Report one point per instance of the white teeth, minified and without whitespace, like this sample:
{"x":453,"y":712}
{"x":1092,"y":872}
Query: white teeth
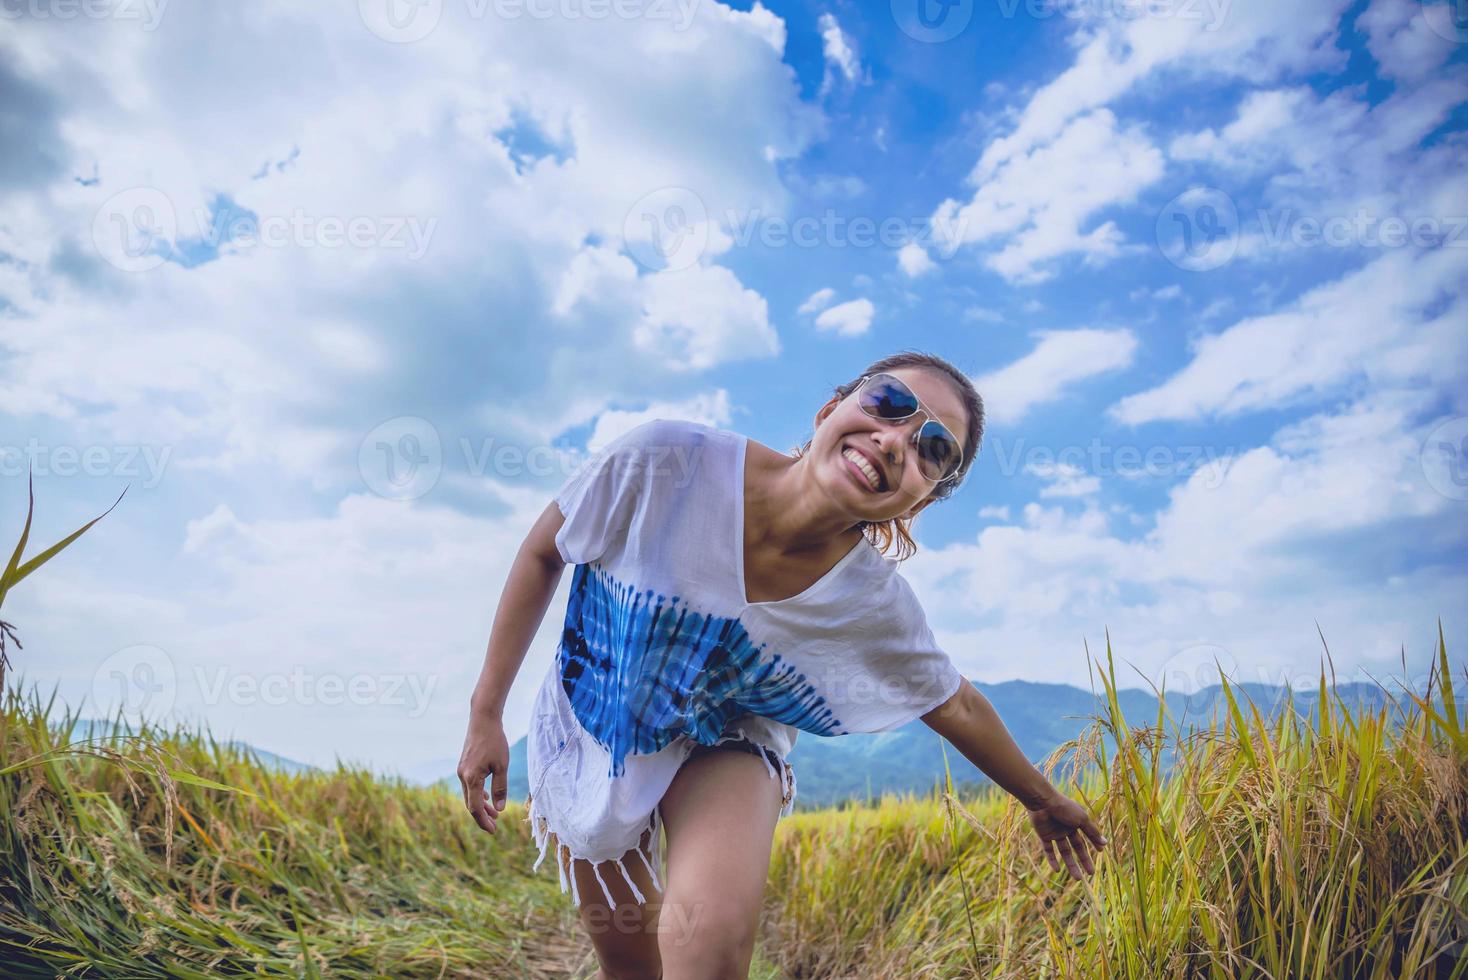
{"x":873,"y":478}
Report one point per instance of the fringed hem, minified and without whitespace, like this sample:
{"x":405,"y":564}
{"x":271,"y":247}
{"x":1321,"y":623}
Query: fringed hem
{"x":652,"y":859}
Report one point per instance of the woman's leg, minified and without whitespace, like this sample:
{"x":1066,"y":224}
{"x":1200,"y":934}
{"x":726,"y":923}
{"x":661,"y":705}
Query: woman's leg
{"x":624,"y":935}
{"x":719,"y":814}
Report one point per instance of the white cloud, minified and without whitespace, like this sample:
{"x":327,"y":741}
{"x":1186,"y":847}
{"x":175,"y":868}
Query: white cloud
{"x":1040,"y":185}
{"x":1061,"y":358}
{"x":839,"y":51}
{"x":264,"y":369}
{"x":1397,"y":320}
{"x":913,"y":259}
{"x":710,"y":408}
{"x":1046,"y":202}
{"x":1254,"y":40}
{"x":847,"y":319}
{"x":1244,"y":566}
{"x":1064,"y":479}
{"x":1400,"y":39}
{"x":983,"y":314}
{"x":697,"y":317}
{"x":817,"y":300}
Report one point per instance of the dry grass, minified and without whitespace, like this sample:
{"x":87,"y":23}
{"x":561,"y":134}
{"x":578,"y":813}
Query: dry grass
{"x":1331,"y":845}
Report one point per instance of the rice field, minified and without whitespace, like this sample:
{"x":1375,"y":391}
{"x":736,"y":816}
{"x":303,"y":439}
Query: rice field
{"x":1328,"y":844}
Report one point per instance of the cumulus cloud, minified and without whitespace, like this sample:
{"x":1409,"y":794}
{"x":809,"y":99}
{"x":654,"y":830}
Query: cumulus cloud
{"x":839,"y":51}
{"x":847,"y":319}
{"x":1059,"y":360}
{"x":817,"y":300}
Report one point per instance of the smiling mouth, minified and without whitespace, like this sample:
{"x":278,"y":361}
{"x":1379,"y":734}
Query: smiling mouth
{"x":871,"y":477}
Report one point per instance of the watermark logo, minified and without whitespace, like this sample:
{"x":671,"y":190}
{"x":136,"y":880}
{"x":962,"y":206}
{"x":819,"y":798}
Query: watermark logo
{"x":328,"y":689}
{"x":671,"y":229}
{"x":138,"y":229}
{"x":1199,"y":229}
{"x":407,"y":21}
{"x":932,"y":21}
{"x":1362,"y":229}
{"x":666,"y":230}
{"x":1444,"y":458}
{"x":400,"y":21}
{"x":401,"y":458}
{"x":136,"y":682}
{"x":1126,"y":460}
{"x":135,"y":229}
{"x":148,"y":12}
{"x":96,"y":461}
{"x":1448,"y":19}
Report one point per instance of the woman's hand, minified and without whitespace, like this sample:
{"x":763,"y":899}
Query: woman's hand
{"x":486,"y":752}
{"x":1063,"y":825}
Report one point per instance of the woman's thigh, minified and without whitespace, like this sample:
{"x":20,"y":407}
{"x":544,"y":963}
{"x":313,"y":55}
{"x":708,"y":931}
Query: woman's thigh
{"x":719,"y":814}
{"x":625,"y":934}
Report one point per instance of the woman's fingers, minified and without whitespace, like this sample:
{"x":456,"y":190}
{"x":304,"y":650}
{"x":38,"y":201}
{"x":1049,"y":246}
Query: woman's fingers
{"x":477,"y":800}
{"x":1079,"y":842}
{"x":1047,"y":848}
{"x":1064,"y":846}
{"x":1093,"y":830}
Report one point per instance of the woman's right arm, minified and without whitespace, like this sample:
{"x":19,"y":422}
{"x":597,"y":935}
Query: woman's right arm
{"x":532,"y":581}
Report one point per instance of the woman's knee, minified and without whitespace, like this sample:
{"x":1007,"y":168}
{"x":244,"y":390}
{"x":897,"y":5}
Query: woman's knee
{"x":713,"y":941}
{"x":624,"y":932}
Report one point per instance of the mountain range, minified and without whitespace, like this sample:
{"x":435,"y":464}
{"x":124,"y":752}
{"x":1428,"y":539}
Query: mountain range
{"x":1040,"y":717}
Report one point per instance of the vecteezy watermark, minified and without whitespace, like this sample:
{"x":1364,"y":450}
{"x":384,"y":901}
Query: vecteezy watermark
{"x":406,"y":21}
{"x":667,"y":229}
{"x":675,"y":919}
{"x":96,"y":460}
{"x":1192,"y":679}
{"x":403,"y":458}
{"x":149,"y":13}
{"x":932,"y":21}
{"x":1447,"y":18}
{"x":1444,"y":458}
{"x":142,"y":681}
{"x":138,"y":229}
{"x":330,"y":689}
{"x":137,"y":683}
{"x":670,"y":229}
{"x":1126,"y":460}
{"x":1210,"y":14}
{"x":1199,"y":229}
{"x":1362,"y":229}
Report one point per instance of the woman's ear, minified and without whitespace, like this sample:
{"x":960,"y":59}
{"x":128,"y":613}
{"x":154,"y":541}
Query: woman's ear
{"x":825,"y":410}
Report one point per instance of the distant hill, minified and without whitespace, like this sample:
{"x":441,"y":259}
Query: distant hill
{"x":828,"y":771}
{"x":1040,"y":717}
{"x":94,"y":727}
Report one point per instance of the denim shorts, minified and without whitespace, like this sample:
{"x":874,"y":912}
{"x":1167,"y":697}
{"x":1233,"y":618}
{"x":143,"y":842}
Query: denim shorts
{"x":777,"y":766}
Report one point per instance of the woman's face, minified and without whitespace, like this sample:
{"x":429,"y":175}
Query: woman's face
{"x":842,"y":425}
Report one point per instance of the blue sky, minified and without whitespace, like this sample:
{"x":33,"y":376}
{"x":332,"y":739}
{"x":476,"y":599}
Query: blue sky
{"x":1205,"y":263}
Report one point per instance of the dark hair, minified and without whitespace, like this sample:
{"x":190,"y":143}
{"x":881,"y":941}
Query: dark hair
{"x":884,"y":534}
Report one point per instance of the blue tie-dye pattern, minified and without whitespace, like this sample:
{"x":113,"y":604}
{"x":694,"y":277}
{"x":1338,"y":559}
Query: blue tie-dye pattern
{"x":640,"y":668}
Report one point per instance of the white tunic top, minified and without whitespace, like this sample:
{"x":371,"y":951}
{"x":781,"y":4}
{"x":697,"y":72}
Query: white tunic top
{"x":660,"y":650}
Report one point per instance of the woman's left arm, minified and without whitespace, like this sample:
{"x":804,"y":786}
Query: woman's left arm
{"x":970,"y":722}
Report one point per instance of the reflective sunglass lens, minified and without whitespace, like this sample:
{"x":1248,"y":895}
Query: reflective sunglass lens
{"x":937,"y":451}
{"x":885,"y":397}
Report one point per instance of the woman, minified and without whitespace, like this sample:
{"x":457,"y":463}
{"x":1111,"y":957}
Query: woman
{"x":724,"y":597}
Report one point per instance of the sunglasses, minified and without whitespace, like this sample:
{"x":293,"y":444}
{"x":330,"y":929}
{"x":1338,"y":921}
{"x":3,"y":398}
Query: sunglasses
{"x":887,"y":397}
